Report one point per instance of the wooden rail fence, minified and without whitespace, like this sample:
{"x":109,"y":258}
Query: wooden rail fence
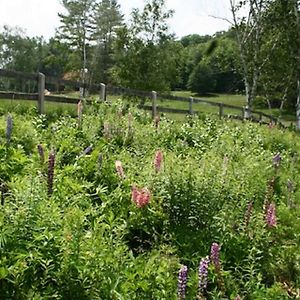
{"x":104,"y":90}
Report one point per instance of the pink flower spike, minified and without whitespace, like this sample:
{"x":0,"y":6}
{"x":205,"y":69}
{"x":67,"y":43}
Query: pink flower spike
{"x":271,"y":215}
{"x":141,"y":197}
{"x":134,"y":193}
{"x":158,"y":160}
{"x":119,"y":169}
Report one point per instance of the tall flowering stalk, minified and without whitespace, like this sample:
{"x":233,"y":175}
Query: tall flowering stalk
{"x":182,"y":280}
{"x":156,"y":122}
{"x":248,"y":214}
{"x":141,"y":197}
{"x":51,"y":164}
{"x":41,"y":153}
{"x":276,"y":161}
{"x":215,"y":256}
{"x":9,"y":127}
{"x":130,"y":128}
{"x":271,"y":215}
{"x":215,"y":259}
{"x":203,"y":274}
{"x":79,"y":112}
{"x":119,"y":169}
{"x":158,"y":159}
{"x":106,"y":130}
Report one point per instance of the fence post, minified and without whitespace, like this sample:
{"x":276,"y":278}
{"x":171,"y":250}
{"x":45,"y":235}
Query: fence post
{"x":191,"y":105}
{"x":221,"y":109}
{"x":246,"y":112}
{"x":154,"y":98}
{"x":103,"y":92}
{"x":41,"y":92}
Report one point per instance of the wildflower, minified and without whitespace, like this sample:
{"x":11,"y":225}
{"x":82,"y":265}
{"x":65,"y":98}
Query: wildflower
{"x":215,"y":256}
{"x":87,"y":150}
{"x":248,"y":214}
{"x":141,"y":197}
{"x":51,"y":163}
{"x":119,"y":169}
{"x":182,"y":280}
{"x":79,"y":112}
{"x":238,"y":297}
{"x":271,"y":215}
{"x":158,"y":160}
{"x":9,"y":127}
{"x":276,"y":160}
{"x":41,"y":153}
{"x":203,"y":273}
{"x":157,"y":121}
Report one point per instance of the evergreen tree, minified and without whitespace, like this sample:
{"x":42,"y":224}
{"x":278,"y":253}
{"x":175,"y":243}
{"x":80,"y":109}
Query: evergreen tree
{"x":107,"y":19}
{"x":77,"y":28}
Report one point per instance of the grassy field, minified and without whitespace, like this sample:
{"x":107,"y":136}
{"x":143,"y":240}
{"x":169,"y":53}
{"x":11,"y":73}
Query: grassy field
{"x":200,"y":108}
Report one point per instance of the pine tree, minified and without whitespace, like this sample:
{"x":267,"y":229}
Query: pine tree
{"x":107,"y":19}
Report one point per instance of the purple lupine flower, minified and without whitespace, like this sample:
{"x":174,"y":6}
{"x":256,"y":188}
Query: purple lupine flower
{"x":182,"y":280}
{"x":87,"y":150}
{"x":203,"y":273}
{"x":276,"y":160}
{"x":248,"y":214}
{"x":215,"y":256}
{"x":9,"y":127}
{"x":51,"y":163}
{"x":41,"y":153}
{"x":158,"y":160}
{"x":271,"y":215}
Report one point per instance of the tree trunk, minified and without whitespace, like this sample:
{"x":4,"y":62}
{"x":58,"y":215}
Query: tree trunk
{"x":298,"y":58}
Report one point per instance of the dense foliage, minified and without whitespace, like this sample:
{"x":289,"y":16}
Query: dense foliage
{"x":259,"y":55}
{"x":124,"y":203}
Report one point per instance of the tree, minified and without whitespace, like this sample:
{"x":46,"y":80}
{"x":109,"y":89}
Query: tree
{"x":202,"y":79}
{"x":107,"y":19}
{"x":76,"y":30}
{"x":147,"y":56}
{"x":57,"y":59}
{"x":21,"y":53}
{"x":249,"y":31}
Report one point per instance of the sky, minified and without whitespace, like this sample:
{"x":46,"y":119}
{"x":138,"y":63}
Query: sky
{"x":39,"y":17}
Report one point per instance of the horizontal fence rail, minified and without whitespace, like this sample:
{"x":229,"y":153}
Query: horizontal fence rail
{"x":105,"y":90}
